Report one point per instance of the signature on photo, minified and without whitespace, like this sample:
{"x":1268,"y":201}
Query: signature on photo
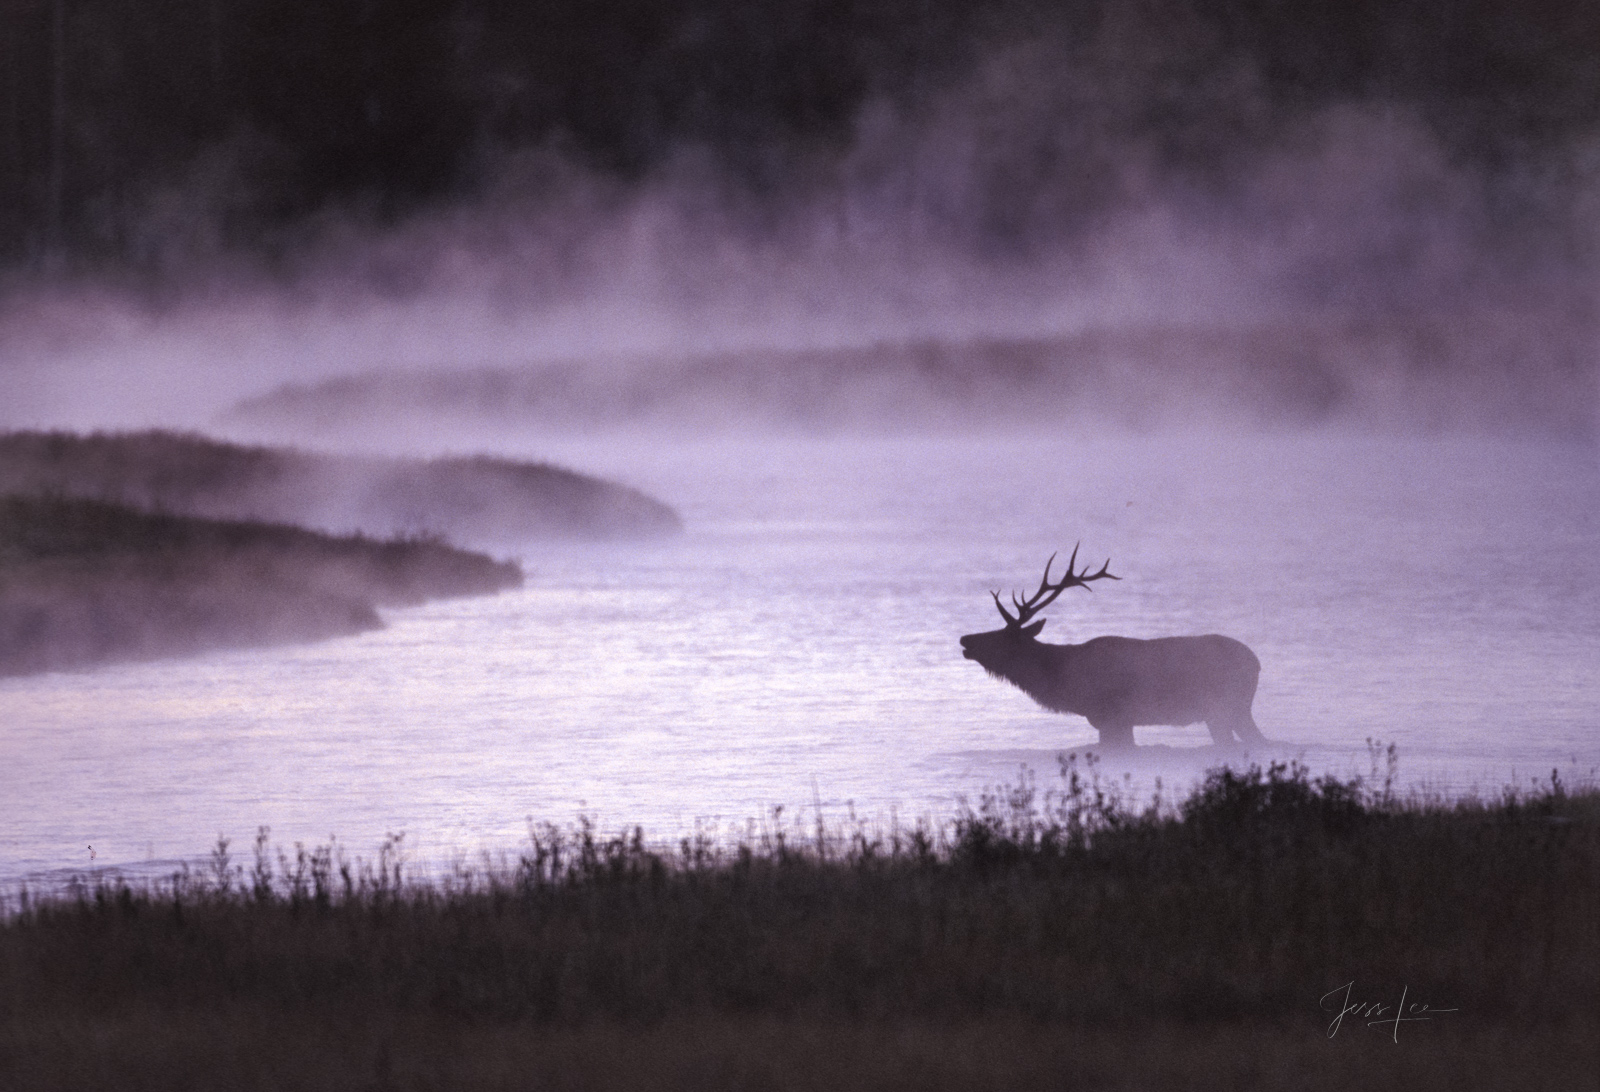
{"x":1377,"y":1014}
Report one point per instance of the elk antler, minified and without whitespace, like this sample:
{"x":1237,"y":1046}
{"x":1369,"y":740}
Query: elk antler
{"x":1039,"y":600}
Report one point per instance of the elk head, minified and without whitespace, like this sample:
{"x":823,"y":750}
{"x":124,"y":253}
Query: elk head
{"x":997,"y":650}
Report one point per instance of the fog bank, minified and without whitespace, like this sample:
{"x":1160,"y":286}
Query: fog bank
{"x":821,"y":180}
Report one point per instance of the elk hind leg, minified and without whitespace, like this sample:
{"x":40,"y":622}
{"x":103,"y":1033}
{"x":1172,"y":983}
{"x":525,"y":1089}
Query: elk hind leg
{"x":1114,"y":736}
{"x":1241,"y":724}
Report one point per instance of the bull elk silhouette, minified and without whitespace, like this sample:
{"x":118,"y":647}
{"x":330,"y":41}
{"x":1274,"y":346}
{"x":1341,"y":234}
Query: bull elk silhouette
{"x":1120,"y":682}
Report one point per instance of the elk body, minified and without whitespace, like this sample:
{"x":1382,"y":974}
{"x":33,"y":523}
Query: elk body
{"x":1119,"y":683}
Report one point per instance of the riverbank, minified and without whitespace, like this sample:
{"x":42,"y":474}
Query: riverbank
{"x":84,"y":582}
{"x":476,"y":500}
{"x":1044,"y":939}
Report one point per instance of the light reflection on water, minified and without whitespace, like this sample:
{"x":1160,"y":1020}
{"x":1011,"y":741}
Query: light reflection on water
{"x":799,"y":642}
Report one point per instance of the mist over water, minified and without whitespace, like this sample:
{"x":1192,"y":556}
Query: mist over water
{"x":1299,"y":324}
{"x":798,"y":643}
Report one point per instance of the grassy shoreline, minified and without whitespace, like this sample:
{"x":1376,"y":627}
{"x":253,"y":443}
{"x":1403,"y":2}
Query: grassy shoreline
{"x":84,"y":582}
{"x":1044,"y":939}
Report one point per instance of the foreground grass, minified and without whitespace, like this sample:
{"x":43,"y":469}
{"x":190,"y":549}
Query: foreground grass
{"x":1044,"y":940}
{"x":85,"y":582}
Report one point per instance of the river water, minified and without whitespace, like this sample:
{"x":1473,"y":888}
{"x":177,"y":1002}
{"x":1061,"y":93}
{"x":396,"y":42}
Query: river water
{"x":796,"y":646}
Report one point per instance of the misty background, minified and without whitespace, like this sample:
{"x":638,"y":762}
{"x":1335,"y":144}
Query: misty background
{"x":364,"y":185}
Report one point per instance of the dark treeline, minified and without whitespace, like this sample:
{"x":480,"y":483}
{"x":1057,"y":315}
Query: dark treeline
{"x":226,"y":123}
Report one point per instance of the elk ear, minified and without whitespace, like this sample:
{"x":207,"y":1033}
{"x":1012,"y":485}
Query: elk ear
{"x":1033,"y":630}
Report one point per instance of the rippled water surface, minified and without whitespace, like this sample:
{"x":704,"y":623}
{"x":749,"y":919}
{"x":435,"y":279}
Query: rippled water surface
{"x":798,"y":645}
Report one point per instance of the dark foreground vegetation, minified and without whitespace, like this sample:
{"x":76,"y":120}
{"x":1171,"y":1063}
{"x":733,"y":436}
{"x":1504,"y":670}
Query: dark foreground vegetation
{"x":85,"y":582}
{"x":1057,"y":940}
{"x":473,"y":500}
